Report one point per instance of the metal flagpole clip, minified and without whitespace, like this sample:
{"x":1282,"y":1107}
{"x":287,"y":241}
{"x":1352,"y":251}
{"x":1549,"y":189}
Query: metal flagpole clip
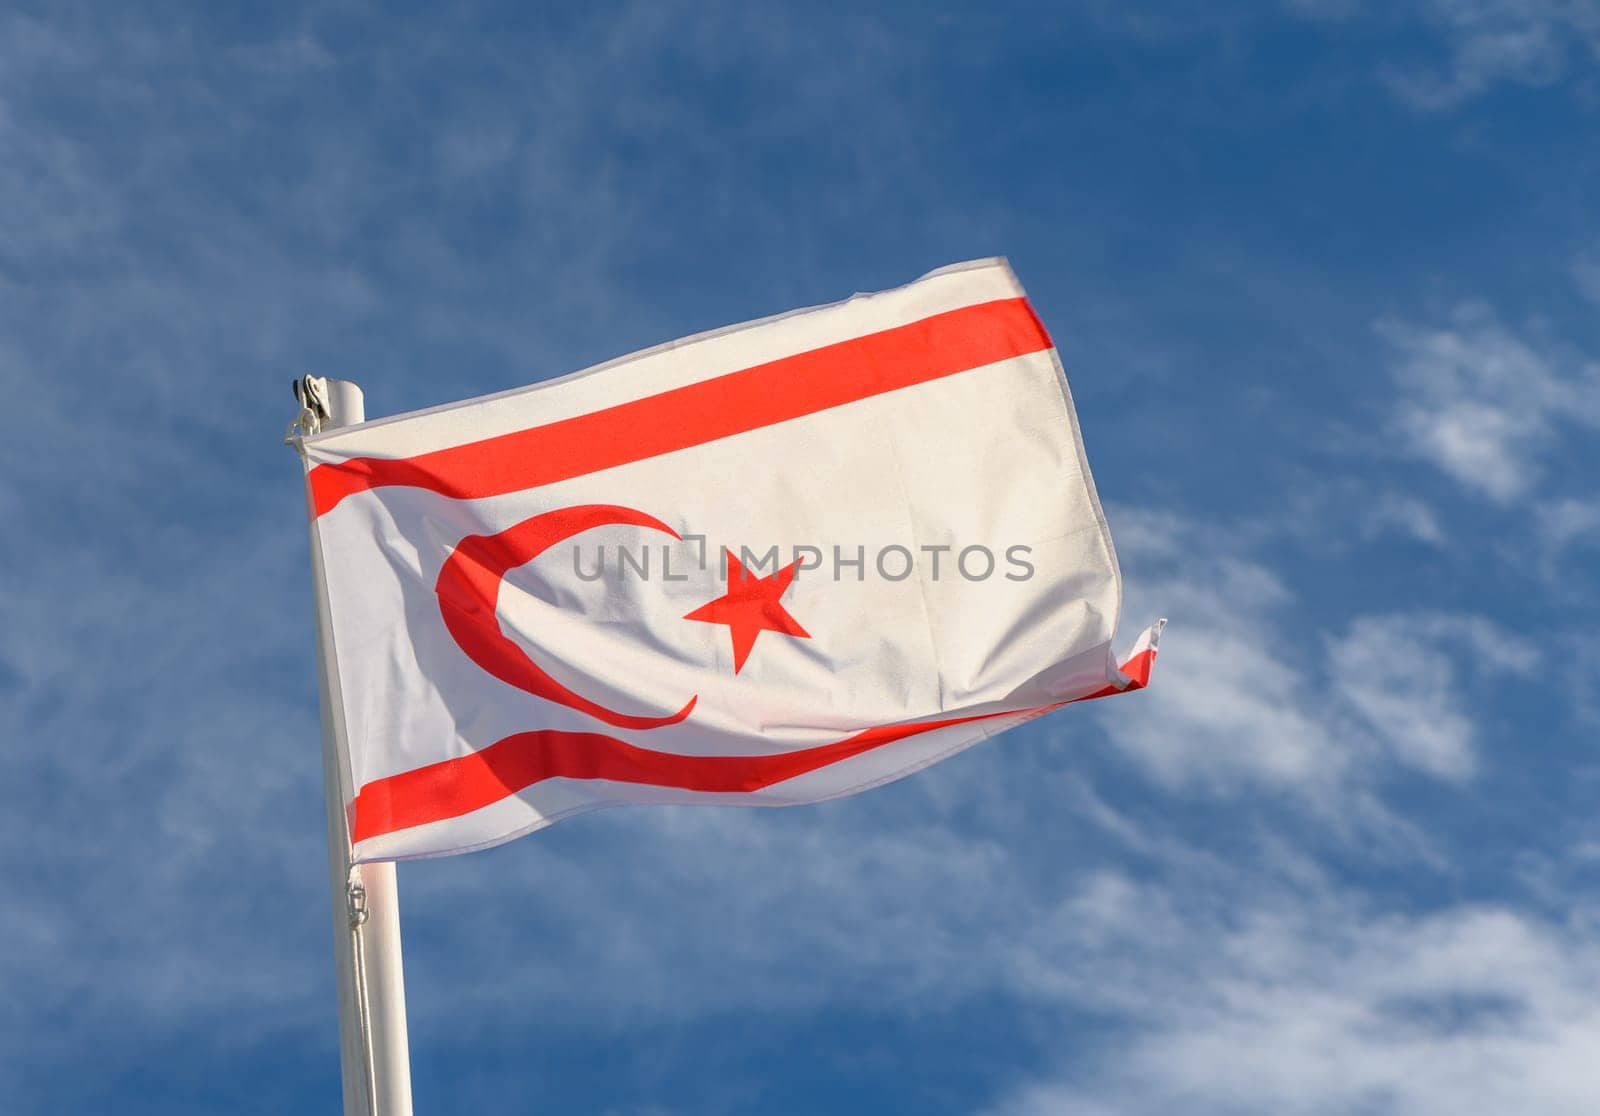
{"x":311,"y":392}
{"x":356,"y":894}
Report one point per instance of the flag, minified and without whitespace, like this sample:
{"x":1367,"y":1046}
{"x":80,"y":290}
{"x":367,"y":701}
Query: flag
{"x":767,"y":565}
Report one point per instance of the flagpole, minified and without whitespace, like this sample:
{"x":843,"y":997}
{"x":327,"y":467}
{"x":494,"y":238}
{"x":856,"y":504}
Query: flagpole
{"x":374,"y":1054}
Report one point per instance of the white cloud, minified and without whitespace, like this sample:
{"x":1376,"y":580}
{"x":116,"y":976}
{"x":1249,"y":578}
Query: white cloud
{"x":1483,"y":404}
{"x":1474,"y":45}
{"x":1231,"y":702}
{"x":1396,"y":673}
{"x":1586,"y":274}
{"x":1487,"y":42}
{"x":1243,"y":698}
{"x":1566,"y":523}
{"x":1324,"y":1007}
{"x":1392,"y":512}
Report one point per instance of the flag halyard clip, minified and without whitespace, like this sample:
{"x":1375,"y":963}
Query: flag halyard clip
{"x":356,"y":893}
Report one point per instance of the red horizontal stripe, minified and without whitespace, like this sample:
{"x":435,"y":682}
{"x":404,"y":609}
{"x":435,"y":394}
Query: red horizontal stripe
{"x":453,"y":787}
{"x":780,"y":390}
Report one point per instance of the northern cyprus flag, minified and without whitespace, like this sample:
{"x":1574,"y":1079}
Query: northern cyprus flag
{"x":768,"y":565}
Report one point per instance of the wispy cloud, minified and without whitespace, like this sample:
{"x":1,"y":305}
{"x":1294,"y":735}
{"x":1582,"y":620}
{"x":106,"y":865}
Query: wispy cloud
{"x":1586,"y":274}
{"x":1473,"y":46}
{"x":1568,"y":523}
{"x":1485,"y":404}
{"x":1401,"y":676}
{"x":1246,"y":697}
{"x":1490,"y":42}
{"x":1330,"y":1008}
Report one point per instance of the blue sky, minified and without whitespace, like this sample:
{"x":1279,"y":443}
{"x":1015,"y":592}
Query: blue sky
{"x":1326,"y":278}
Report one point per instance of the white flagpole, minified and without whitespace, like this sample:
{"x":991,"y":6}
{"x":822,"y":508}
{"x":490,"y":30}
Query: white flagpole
{"x":373,"y":1049}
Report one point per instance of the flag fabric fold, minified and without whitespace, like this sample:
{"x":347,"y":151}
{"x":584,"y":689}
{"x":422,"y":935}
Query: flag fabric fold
{"x":768,"y":565}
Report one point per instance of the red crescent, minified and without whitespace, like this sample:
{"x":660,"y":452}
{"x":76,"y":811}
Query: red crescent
{"x":469,"y":591}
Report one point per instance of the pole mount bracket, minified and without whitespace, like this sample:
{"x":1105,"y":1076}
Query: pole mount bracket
{"x":311,"y":392}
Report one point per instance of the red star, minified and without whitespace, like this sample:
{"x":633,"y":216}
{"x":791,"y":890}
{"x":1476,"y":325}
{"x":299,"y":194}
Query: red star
{"x":750,"y":607}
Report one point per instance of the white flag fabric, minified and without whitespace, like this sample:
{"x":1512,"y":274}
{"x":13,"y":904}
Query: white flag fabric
{"x":768,"y":565}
